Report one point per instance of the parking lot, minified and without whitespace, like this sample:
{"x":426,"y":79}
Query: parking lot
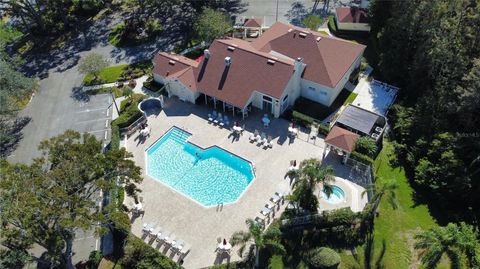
{"x":95,"y":117}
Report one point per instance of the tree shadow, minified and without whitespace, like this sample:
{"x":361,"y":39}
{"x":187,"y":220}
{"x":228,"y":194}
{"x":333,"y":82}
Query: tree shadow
{"x":11,"y":134}
{"x":297,"y":13}
{"x":80,"y":95}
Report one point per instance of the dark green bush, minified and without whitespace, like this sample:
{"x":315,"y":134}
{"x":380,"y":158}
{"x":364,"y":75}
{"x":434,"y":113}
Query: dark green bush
{"x":138,"y":254}
{"x":323,"y":258}
{"x":129,"y":111}
{"x":276,"y":262}
{"x":323,"y":129}
{"x":94,"y":259}
{"x":302,"y":119}
{"x":342,"y":216}
{"x":366,"y":146}
{"x":115,"y":142}
{"x":361,"y":158}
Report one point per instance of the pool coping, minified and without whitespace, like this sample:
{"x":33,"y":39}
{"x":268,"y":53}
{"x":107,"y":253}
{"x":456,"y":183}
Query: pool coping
{"x":252,"y":165}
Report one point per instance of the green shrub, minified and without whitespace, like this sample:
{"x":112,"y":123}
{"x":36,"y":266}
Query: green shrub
{"x":323,"y":258}
{"x":117,"y":92}
{"x":366,"y":146}
{"x":94,"y":259}
{"x":138,"y":254}
{"x":303,"y":119}
{"x":276,"y":262}
{"x":361,"y":158}
{"x":342,"y":216}
{"x":332,"y":25}
{"x":120,"y":196}
{"x":129,"y":111}
{"x":115,"y":142}
{"x":323,"y":129}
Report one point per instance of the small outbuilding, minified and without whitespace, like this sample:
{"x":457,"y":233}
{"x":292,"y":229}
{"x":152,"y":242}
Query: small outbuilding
{"x":352,"y":19}
{"x":342,"y":141}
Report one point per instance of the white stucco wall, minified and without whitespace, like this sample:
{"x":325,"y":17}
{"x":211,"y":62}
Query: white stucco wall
{"x":331,"y":93}
{"x":158,"y":78}
{"x":353,"y":26}
{"x":176,"y":88}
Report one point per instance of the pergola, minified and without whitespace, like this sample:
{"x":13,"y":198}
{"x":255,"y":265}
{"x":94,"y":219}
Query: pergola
{"x":342,"y":141}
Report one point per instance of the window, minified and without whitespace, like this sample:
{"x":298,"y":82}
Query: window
{"x":312,"y":89}
{"x":267,"y":98}
{"x":285,"y":98}
{"x":323,"y":93}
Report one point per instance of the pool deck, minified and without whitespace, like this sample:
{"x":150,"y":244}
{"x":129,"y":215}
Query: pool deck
{"x":198,"y":226}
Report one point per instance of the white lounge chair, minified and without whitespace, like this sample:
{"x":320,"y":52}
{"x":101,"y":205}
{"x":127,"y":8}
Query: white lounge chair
{"x":147,"y":228}
{"x":254,"y":136}
{"x":218,"y":118}
{"x":183,"y":252}
{"x":270,"y":141}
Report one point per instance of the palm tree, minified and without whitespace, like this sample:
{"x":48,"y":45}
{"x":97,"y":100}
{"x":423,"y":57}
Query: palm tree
{"x":310,"y":174}
{"x":387,"y":188}
{"x":368,"y":255}
{"x":452,"y":240}
{"x":268,"y":239}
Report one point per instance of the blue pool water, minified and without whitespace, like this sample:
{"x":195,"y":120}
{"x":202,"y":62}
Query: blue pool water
{"x":336,"y":197}
{"x":210,"y":177}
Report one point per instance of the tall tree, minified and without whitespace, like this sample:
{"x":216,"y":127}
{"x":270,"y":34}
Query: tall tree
{"x":47,"y":202}
{"x":269,"y":239}
{"x":92,"y":64}
{"x":451,"y":240}
{"x":212,"y":24}
{"x":435,"y":60}
{"x":313,"y":22}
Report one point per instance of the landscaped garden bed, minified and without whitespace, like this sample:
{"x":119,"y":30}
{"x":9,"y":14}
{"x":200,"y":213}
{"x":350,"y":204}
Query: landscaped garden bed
{"x":152,"y":85}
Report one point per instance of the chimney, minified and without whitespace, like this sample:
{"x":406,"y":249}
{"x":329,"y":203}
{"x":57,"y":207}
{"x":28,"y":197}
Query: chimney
{"x":228,"y":61}
{"x":206,"y":53}
{"x":299,"y":65}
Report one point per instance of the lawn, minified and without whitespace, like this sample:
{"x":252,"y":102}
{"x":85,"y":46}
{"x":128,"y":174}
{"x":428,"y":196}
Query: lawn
{"x":323,"y":32}
{"x":120,"y":72}
{"x":397,"y":227}
{"x":107,"y":75}
{"x":350,"y":98}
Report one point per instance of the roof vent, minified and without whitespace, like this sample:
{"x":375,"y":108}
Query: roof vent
{"x":319,"y":38}
{"x":302,"y":35}
{"x":235,"y":45}
{"x":289,"y":30}
{"x":171,"y":62}
{"x":206,"y":53}
{"x":270,"y":62}
{"x":228,"y":61}
{"x":230,"y":48}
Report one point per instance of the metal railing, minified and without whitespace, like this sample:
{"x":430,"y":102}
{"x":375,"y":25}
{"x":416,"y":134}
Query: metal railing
{"x":129,"y":130}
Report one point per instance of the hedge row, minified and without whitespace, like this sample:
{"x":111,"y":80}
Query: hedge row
{"x":361,"y":158}
{"x":115,"y":142}
{"x":323,"y":129}
{"x":303,"y":119}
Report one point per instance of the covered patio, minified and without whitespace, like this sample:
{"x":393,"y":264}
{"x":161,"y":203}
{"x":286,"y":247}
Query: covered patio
{"x":340,"y":141}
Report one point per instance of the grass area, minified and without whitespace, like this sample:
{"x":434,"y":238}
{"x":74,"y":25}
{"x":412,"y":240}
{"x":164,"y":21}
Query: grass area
{"x":8,"y":33}
{"x":396,"y":227}
{"x":318,"y":111}
{"x":107,"y":75}
{"x":323,"y":32}
{"x":120,"y":72}
{"x":350,"y":98}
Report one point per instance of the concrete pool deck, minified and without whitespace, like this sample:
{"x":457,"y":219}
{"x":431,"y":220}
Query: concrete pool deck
{"x":198,"y":226}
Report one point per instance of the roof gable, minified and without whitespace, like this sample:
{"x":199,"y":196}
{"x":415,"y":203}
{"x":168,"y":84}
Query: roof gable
{"x":327,"y":58}
{"x":341,"y":138}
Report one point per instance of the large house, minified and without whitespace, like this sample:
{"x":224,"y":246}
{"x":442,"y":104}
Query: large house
{"x":284,"y":63}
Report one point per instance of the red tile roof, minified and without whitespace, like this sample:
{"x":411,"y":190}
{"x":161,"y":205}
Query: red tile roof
{"x":249,"y":71}
{"x":166,"y":64}
{"x":254,"y":22}
{"x":327,"y":58}
{"x":341,"y":138}
{"x":352,"y":15}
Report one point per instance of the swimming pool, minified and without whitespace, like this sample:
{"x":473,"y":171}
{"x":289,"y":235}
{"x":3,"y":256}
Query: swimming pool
{"x":337,"y":196}
{"x":209,"y":176}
